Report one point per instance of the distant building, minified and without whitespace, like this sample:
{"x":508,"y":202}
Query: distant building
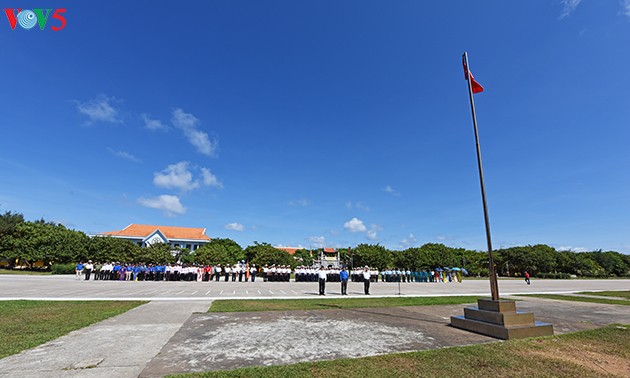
{"x":178,"y":237}
{"x":289,"y":250}
{"x":329,"y":257}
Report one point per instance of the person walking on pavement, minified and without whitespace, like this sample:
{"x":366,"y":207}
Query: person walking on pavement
{"x":343,"y":277}
{"x":322,"y":280}
{"x":366,"y":280}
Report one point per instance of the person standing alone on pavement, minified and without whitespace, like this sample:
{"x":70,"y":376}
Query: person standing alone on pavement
{"x":527,"y":277}
{"x":322,"y":280}
{"x":343,"y":277}
{"x":366,"y":280}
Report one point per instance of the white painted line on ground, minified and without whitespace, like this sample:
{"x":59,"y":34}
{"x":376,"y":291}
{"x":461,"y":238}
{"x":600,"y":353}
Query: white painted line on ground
{"x":221,"y":293}
{"x":294,"y":292}
{"x":193,"y":293}
{"x":208,"y":292}
{"x":270,"y":291}
{"x":259,"y":292}
{"x":234,"y":292}
{"x":282,"y":291}
{"x":246,"y":292}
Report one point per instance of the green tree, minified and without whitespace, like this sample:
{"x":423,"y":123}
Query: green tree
{"x":157,"y":253}
{"x":372,"y":255}
{"x":109,"y":249}
{"x":612,"y":262}
{"x":9,"y":221}
{"x":219,"y":251}
{"x":266,"y":254}
{"x":303,"y":257}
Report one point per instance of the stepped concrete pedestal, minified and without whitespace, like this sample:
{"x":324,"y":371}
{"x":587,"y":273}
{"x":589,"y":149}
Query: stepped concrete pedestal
{"x":501,"y":320}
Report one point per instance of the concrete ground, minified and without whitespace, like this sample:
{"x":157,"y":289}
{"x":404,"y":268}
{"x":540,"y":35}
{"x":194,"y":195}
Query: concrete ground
{"x":174,"y":333}
{"x":63,"y":287}
{"x":220,"y":341}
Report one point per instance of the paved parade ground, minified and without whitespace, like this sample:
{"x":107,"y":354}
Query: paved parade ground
{"x":174,"y":333}
{"x":66,"y":287}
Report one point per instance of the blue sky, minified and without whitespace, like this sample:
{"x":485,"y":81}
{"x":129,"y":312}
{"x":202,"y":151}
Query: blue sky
{"x":323,"y":123}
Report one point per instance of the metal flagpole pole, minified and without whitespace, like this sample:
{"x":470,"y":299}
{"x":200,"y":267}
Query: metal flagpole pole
{"x":494,"y":287}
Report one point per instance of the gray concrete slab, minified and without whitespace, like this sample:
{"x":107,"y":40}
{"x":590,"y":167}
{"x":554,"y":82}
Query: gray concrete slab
{"x":218,"y":341}
{"x":120,"y":346}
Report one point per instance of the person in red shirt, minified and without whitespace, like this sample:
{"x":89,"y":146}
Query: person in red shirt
{"x":527,"y":277}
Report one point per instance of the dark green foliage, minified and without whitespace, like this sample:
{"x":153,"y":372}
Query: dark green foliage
{"x":266,"y":254}
{"x":303,"y":257}
{"x":563,"y":276}
{"x":372,"y":255}
{"x":219,"y":251}
{"x":62,"y":268}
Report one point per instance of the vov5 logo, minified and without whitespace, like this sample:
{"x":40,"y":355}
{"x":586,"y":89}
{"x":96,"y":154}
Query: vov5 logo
{"x":28,"y":18}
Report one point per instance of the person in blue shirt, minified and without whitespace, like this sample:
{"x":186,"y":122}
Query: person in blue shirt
{"x":115,"y":271}
{"x":78,"y":270}
{"x":343,"y":277}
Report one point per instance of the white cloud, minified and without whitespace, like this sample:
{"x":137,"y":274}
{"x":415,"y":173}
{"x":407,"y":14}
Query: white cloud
{"x":175,"y":176}
{"x":209,"y":179}
{"x":317,"y":241}
{"x":124,"y":155}
{"x":153,"y":124}
{"x":100,"y":109}
{"x":234,"y":226}
{"x":569,"y":7}
{"x":409,"y":241}
{"x":355,"y":225}
{"x":372,"y":232}
{"x":390,"y":190}
{"x":188,"y":123}
{"x":626,"y":8}
{"x":573,"y":249}
{"x":302,"y":202}
{"x":371,"y":235}
{"x":441,"y":237}
{"x":169,"y":204}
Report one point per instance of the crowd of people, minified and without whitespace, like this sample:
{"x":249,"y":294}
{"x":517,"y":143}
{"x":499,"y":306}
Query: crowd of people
{"x":244,"y":272}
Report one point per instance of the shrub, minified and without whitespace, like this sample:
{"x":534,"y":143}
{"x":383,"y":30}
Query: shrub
{"x":62,"y":268}
{"x":563,"y":276}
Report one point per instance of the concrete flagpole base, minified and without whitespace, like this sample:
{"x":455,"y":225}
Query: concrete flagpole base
{"x":499,"y":318}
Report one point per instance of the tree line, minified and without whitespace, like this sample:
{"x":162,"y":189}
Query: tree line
{"x":28,"y":243}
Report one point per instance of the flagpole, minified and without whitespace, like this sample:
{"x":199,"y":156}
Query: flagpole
{"x":494,"y":287}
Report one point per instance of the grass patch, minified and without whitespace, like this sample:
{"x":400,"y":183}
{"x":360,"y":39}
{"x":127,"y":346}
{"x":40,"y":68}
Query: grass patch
{"x":238,"y":305}
{"x":26,"y":324}
{"x":597,"y":353}
{"x":618,"y":294}
{"x":24,"y":272}
{"x":579,"y":299}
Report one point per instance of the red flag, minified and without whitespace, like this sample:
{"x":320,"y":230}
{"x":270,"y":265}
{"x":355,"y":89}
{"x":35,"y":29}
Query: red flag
{"x":476,"y":87}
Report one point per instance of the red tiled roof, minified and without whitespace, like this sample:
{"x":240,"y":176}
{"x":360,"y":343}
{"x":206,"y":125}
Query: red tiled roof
{"x":289,"y":250}
{"x":170,"y":232}
{"x":329,"y":250}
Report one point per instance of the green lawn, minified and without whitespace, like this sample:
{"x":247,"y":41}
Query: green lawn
{"x":238,"y":305}
{"x":24,"y":272}
{"x":603,"y":352}
{"x":619,"y":294}
{"x":26,"y":324}
{"x":579,"y":299}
